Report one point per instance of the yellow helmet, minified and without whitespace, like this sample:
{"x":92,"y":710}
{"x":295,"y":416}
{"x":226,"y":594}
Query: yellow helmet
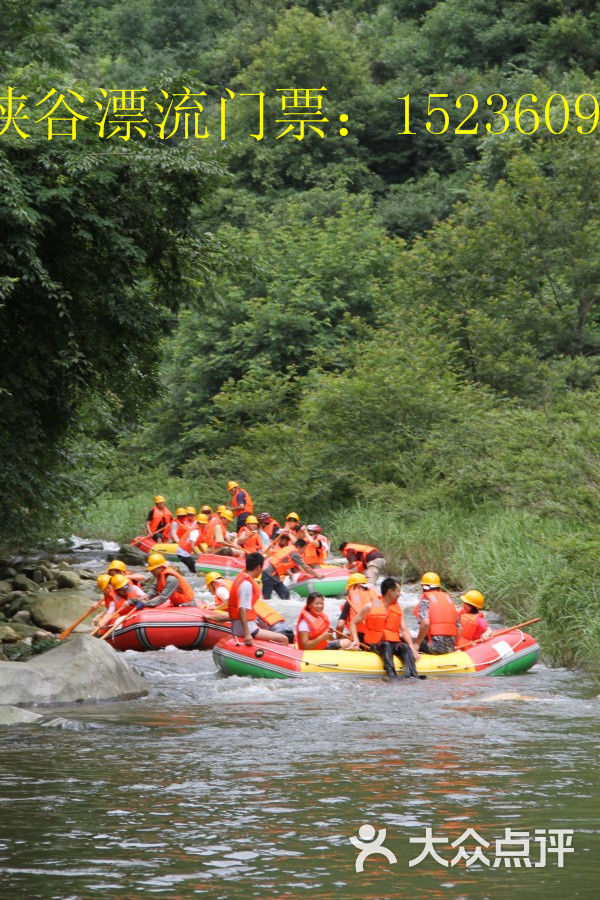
{"x":227,"y":514}
{"x":202,"y":518}
{"x":206,"y":509}
{"x":221,"y":509}
{"x":103,"y":581}
{"x":212,"y":576}
{"x":356,"y":578}
{"x":155,"y":560}
{"x":116,"y":564}
{"x":474,"y":598}
{"x":293,"y":515}
{"x":251,"y":520}
{"x":190,"y":511}
{"x":431,"y":579}
{"x":159,"y":499}
{"x":181,"y":511}
{"x":119,"y":581}
{"x":231,"y":485}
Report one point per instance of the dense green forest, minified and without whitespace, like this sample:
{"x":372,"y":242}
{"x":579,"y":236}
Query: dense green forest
{"x":398,"y":334}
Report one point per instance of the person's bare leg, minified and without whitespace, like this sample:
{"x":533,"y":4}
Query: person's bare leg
{"x":263,"y":635}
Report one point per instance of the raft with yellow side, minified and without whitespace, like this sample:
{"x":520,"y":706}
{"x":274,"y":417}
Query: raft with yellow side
{"x":511,"y":653}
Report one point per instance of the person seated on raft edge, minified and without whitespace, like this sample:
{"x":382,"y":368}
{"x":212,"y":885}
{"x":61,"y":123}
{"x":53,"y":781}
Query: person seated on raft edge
{"x":437,"y":617}
{"x":359,"y":593}
{"x":112,"y":602}
{"x":266,"y":617}
{"x":473,"y":624}
{"x":170,"y":589}
{"x":313,"y":628}
{"x":386,"y":633}
{"x":218,"y":538}
{"x":243,"y":596}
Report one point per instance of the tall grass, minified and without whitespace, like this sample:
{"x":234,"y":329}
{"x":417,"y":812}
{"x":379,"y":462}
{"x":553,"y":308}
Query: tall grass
{"x":121,"y":516}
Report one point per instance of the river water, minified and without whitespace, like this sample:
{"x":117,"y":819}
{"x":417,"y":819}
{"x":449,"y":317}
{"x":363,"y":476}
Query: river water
{"x":242,"y":788}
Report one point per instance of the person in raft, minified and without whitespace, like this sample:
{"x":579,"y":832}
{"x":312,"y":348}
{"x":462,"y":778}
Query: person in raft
{"x":241,"y":503}
{"x":437,"y":617}
{"x":266,"y":617}
{"x":359,"y":593}
{"x":364,"y":558}
{"x":192,"y":543}
{"x":313,"y":628}
{"x":473,"y":625}
{"x":385,"y":631}
{"x":242,"y":601}
{"x":286,"y":558}
{"x":159,"y":519}
{"x":118,"y":567}
{"x":170,"y":587}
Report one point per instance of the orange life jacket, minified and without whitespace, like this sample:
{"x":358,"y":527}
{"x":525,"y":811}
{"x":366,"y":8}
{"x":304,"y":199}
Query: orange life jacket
{"x":181,"y":529}
{"x":267,"y":613}
{"x":183,"y":594}
{"x":111,"y":596}
{"x":186,"y":544}
{"x":234,"y":597}
{"x":210,"y":538}
{"x":248,"y":506}
{"x":442,"y":614}
{"x":249,"y":540}
{"x":472,"y":626}
{"x":358,"y":597}
{"x":270,"y":527}
{"x":318,"y":624}
{"x":281,"y":561}
{"x":361,"y":550}
{"x":314,"y":554}
{"x":159,"y":518}
{"x":383,"y":623}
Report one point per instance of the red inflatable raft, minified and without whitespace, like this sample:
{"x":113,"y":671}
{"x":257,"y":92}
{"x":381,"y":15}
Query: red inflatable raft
{"x":184,"y":627}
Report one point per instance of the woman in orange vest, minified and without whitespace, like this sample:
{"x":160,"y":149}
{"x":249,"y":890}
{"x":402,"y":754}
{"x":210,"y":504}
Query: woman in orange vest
{"x":473,"y":626}
{"x":313,"y":628}
{"x":386,"y":633}
{"x":437,"y":617}
{"x":171,"y":588}
{"x":315,"y":552}
{"x":111,"y":601}
{"x":179,"y":526}
{"x":243,"y":598}
{"x":159,"y":518}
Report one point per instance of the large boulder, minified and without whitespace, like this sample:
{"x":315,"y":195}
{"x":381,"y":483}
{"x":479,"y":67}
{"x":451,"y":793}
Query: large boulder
{"x":5,"y":587}
{"x":83,"y":668}
{"x":57,"y":610}
{"x":22,"y":583}
{"x":12,"y":715}
{"x":67,"y":579}
{"x":130,"y":555}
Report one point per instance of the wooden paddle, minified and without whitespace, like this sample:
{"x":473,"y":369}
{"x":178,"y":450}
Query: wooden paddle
{"x":118,"y":624}
{"x":499,"y":633}
{"x":65,"y":634}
